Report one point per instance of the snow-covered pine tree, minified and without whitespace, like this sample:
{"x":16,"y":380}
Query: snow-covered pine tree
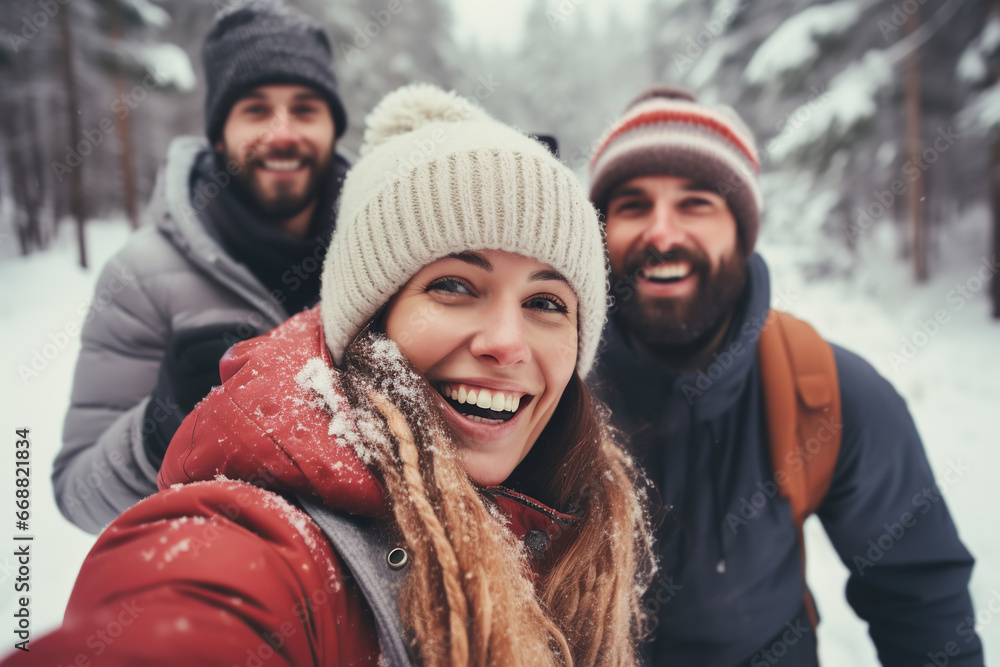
{"x":140,"y":65}
{"x":73,"y":128}
{"x":821,"y":84}
{"x":136,"y":67}
{"x":29,"y":60}
{"x":979,"y":70}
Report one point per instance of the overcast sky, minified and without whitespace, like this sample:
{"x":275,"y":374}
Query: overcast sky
{"x":494,"y":23}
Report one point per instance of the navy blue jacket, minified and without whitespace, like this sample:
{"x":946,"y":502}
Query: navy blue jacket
{"x":731,"y":586}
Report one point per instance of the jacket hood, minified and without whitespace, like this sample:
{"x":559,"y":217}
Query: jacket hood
{"x":179,"y":209}
{"x":174,"y":216}
{"x":280,"y":421}
{"x":269,"y":424}
{"x":170,"y":207}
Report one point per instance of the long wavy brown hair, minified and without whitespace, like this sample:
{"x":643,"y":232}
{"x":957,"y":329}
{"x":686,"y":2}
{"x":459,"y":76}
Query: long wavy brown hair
{"x":470,"y":596}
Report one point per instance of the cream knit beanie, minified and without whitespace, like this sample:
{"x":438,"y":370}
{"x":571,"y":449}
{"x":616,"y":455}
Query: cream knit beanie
{"x":439,"y":176}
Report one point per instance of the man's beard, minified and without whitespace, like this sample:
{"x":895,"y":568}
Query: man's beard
{"x":681,"y":324}
{"x":285,"y":203}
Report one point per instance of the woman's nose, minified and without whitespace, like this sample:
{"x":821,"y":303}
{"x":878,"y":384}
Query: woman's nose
{"x":501,"y":336}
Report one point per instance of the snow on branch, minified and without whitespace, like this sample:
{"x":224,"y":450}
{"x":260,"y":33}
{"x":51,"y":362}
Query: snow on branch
{"x":982,"y":115}
{"x":146,"y":13}
{"x":972,"y":66}
{"x":795,"y":44}
{"x":171,"y":64}
{"x":849,"y":101}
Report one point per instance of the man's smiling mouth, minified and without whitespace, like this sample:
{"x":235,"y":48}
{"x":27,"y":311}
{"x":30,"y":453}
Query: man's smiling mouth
{"x":482,"y":405}
{"x":666,"y":272}
{"x":282,"y":165}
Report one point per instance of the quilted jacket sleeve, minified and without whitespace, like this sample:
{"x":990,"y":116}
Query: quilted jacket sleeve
{"x":213,"y":573}
{"x":102,"y":468}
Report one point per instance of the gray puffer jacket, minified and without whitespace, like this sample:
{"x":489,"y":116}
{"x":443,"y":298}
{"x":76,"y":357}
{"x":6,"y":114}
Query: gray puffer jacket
{"x":170,"y":276}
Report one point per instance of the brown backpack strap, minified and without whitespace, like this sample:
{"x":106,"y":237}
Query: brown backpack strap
{"x":802,"y":401}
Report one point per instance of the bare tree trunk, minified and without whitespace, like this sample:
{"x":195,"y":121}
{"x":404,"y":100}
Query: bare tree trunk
{"x":995,"y":199}
{"x":914,"y":143}
{"x":994,"y":176}
{"x":25,"y":213}
{"x":124,"y":132}
{"x":34,"y":193}
{"x":127,"y":165}
{"x":23,"y":221}
{"x":16,"y":119}
{"x":40,"y":177}
{"x":77,"y":202}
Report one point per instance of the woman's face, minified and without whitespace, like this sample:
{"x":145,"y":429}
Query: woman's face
{"x":496,"y":334}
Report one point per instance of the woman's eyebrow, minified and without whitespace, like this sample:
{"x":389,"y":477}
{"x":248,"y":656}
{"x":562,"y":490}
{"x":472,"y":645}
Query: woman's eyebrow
{"x":475,"y":259}
{"x":547,"y":274}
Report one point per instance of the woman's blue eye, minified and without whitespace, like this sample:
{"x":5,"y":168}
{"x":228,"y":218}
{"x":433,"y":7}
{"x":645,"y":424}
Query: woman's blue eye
{"x":545,"y":303}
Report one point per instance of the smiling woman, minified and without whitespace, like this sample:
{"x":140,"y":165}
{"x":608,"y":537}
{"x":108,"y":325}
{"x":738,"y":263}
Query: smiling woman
{"x":427,"y":421}
{"x":497,"y":350}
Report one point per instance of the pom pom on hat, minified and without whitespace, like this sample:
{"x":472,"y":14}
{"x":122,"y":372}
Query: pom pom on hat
{"x":411,"y":107}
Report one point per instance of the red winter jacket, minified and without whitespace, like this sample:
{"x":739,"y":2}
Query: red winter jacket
{"x":214,"y":571}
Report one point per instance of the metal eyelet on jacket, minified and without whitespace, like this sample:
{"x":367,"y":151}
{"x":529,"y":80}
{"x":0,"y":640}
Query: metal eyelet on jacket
{"x":537,"y":541}
{"x":397,"y":559}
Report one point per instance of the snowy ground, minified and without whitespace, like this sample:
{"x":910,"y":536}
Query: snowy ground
{"x":42,"y":296}
{"x":952,"y":384}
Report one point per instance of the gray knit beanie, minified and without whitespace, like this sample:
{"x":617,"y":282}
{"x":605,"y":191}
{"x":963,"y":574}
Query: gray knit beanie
{"x":261,"y":42}
{"x":438,"y":176}
{"x":666,"y":131}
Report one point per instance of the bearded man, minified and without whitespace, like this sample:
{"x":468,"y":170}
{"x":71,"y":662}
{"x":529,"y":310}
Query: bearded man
{"x":681,"y":369}
{"x":239,"y":226}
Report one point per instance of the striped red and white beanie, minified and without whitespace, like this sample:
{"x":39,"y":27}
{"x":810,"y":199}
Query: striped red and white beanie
{"x":666,"y":131}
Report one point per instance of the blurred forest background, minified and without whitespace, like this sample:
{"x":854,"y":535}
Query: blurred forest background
{"x":878,"y":120}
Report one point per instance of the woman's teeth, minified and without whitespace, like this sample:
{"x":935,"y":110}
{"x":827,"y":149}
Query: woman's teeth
{"x":498,"y":401}
{"x":481,"y":405}
{"x":483,"y":420}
